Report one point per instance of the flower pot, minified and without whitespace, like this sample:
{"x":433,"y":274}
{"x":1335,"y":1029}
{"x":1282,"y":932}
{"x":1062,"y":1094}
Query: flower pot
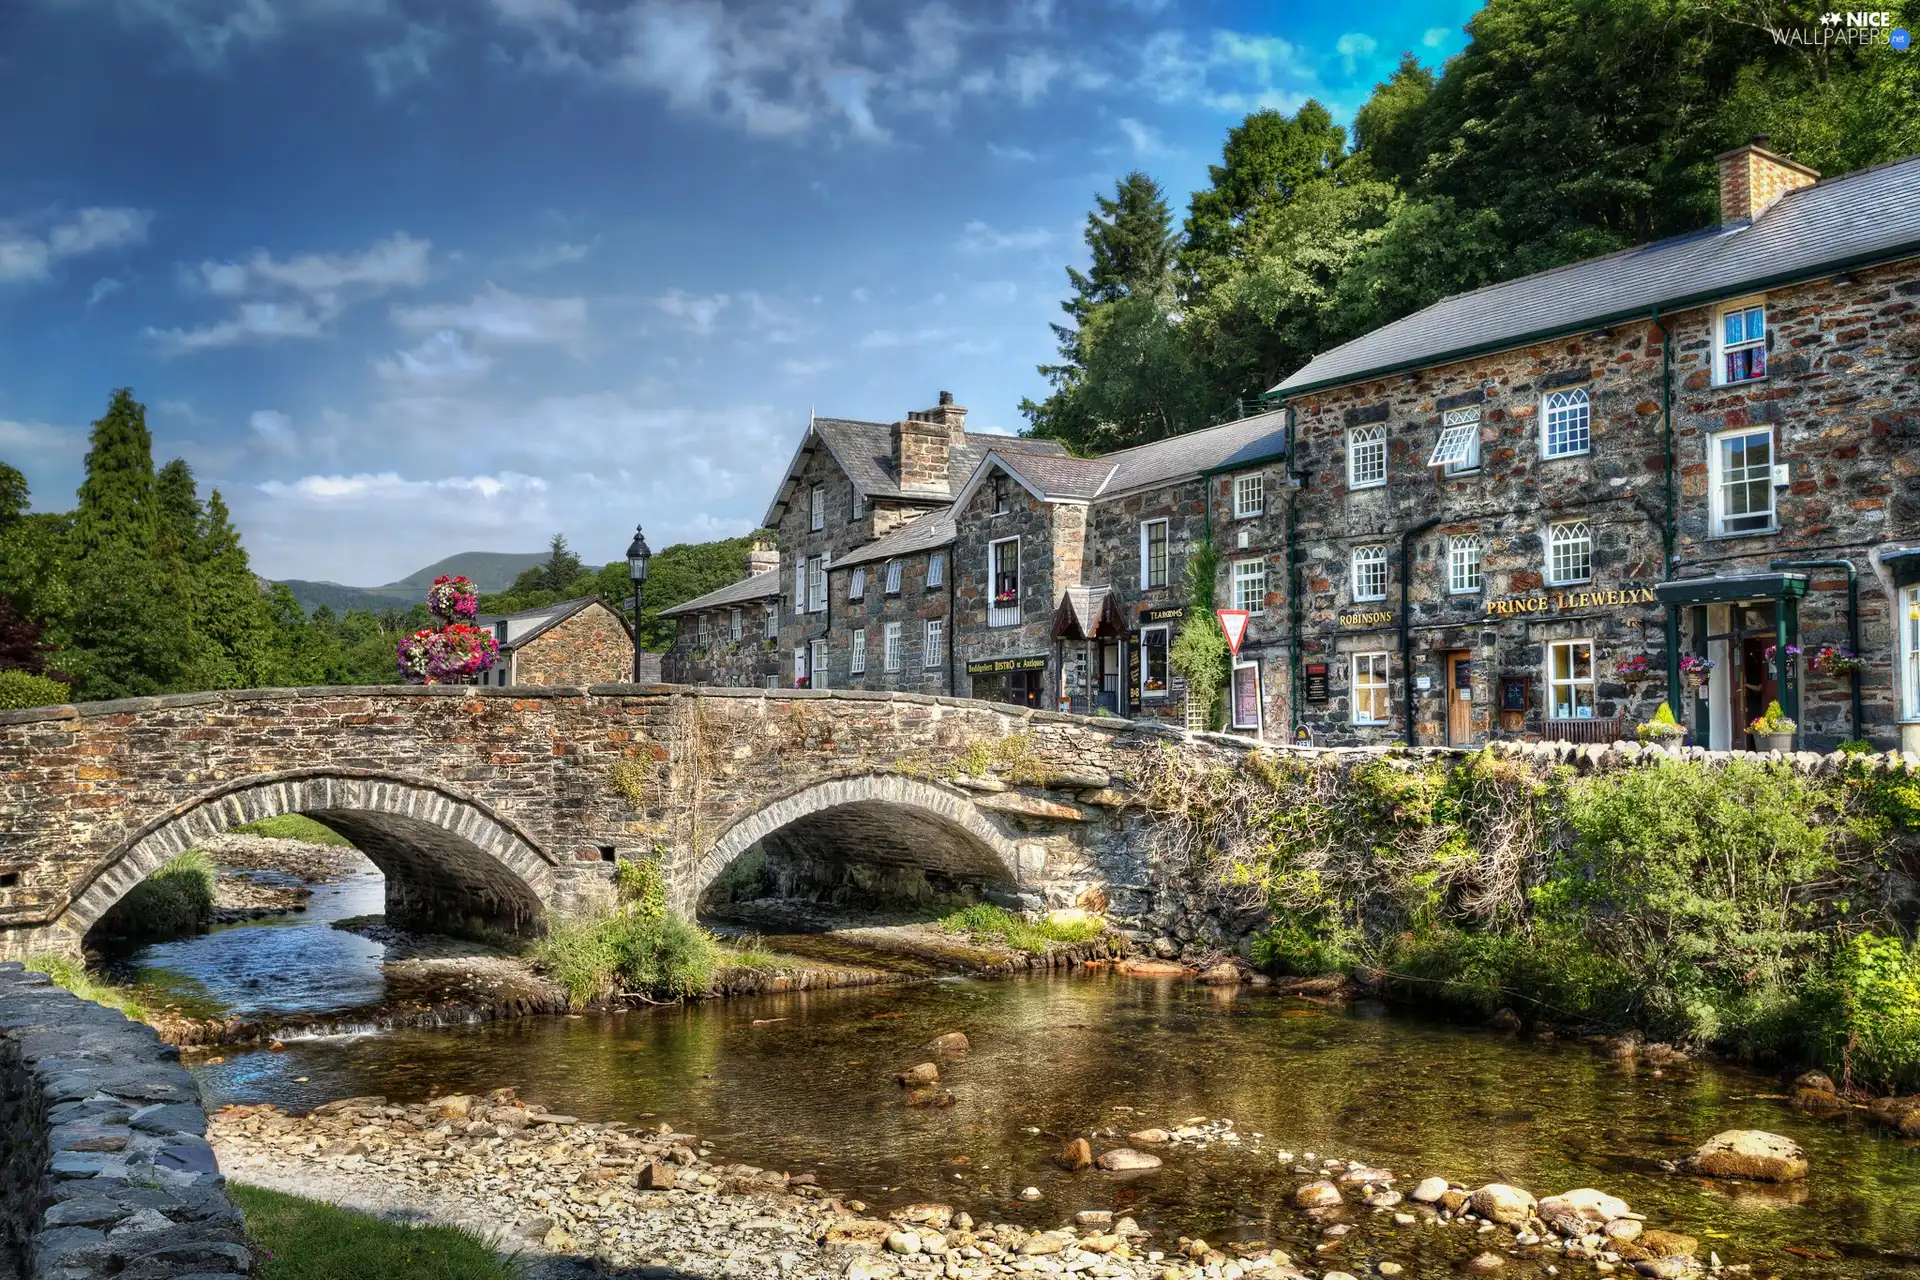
{"x":1774,"y":741}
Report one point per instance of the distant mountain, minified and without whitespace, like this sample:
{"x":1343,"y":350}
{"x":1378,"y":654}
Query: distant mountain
{"x":490,"y":571}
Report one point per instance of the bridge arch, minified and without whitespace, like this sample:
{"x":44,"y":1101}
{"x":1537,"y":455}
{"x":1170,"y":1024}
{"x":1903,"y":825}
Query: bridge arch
{"x":450,"y":861}
{"x":890,"y":820}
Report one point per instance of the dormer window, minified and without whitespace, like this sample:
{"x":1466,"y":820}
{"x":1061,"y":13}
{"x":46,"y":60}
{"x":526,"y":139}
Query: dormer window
{"x":1740,"y":343}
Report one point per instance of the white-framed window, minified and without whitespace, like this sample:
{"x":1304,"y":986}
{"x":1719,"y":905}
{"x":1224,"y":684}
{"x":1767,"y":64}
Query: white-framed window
{"x":893,"y":577}
{"x":1367,"y":456}
{"x":1910,"y":652}
{"x":857,"y":653}
{"x":1569,"y":553}
{"x":818,"y":513}
{"x":1250,"y":585}
{"x":1458,"y":448}
{"x":857,"y":583}
{"x":1249,"y":496}
{"x":859,"y":505}
{"x":1463,"y":563}
{"x":1570,"y":683}
{"x":800,"y":667}
{"x":1369,"y":573}
{"x":890,"y":646}
{"x":1153,"y":554}
{"x":734,"y":628}
{"x":936,"y":569}
{"x":817,"y":663}
{"x":933,"y":644}
{"x":1566,"y":423}
{"x":816,"y":584}
{"x":1740,"y":475}
{"x":1740,"y":343}
{"x":1153,"y":662}
{"x":799,"y":588}
{"x":773,"y":622}
{"x":1245,"y":694}
{"x":700,"y":630}
{"x":1003,"y":583}
{"x":1368,"y":689}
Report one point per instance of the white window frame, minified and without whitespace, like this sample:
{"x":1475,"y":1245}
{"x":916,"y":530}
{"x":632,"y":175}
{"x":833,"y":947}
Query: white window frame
{"x":799,"y":588}
{"x":816,"y":584}
{"x":1250,"y":586}
{"x":799,"y":664}
{"x":1458,"y":446}
{"x":857,"y":583}
{"x":1909,"y":618}
{"x":773,"y":622}
{"x":936,"y":569}
{"x":1568,"y":413}
{"x":933,"y":643}
{"x":1723,"y":348}
{"x":734,"y":629}
{"x":859,"y":506}
{"x":1464,"y":552}
{"x":1717,"y":482}
{"x":817,"y":663}
{"x":817,"y":509}
{"x":1147,"y":582}
{"x":1365,"y":561}
{"x":1377,"y":667}
{"x":857,"y":653}
{"x":890,"y":647}
{"x":1003,"y":615}
{"x":1249,"y":496}
{"x":1572,"y":682}
{"x":1233,"y":696}
{"x":893,"y":578}
{"x":1567,"y":535}
{"x":699,"y":630}
{"x":1165,"y":691}
{"x":1374,"y":438}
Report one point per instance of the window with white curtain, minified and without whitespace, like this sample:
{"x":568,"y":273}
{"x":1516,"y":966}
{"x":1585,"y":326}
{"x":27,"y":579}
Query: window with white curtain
{"x":1367,"y":456}
{"x":1369,"y":573}
{"x":1463,"y":563}
{"x":1569,"y":553}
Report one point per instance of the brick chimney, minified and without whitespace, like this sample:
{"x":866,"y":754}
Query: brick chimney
{"x":762,"y":557}
{"x":1752,"y":178}
{"x":924,"y":443}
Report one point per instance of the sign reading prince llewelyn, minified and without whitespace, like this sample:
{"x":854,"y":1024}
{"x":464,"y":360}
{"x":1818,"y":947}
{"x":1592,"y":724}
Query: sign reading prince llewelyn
{"x":1556,"y":601}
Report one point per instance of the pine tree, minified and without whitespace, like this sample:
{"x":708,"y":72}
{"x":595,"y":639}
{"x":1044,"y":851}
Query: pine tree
{"x":229,"y":606}
{"x":116,"y":499}
{"x":13,"y":496}
{"x":177,"y":512}
{"x":1131,"y":239}
{"x":562,"y":568}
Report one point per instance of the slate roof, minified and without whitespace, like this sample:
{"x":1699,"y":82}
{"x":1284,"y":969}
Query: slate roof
{"x":1087,"y":613}
{"x":560,"y":611}
{"x":761,"y":586}
{"x":1872,"y":215}
{"x":1056,"y":475}
{"x":922,"y":533}
{"x":864,"y":451}
{"x":1230,"y":444}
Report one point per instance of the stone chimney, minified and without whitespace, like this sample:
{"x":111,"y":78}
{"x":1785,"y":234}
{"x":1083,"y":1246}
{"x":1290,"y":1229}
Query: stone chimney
{"x":924,"y":443}
{"x":1752,"y":178}
{"x":762,"y":557}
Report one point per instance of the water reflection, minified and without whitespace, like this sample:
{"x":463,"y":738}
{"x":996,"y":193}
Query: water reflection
{"x":813,"y":1091}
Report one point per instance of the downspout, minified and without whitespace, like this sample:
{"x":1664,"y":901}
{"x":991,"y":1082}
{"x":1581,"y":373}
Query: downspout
{"x":1406,"y":623}
{"x":1667,"y":532}
{"x":953,"y":623}
{"x":1853,"y":617}
{"x":1296,"y":482}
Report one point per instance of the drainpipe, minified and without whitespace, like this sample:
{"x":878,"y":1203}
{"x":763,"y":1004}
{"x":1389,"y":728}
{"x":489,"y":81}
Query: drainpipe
{"x":1406,"y":623}
{"x":1297,"y":481}
{"x":953,"y":622}
{"x":1853,"y":617}
{"x":1667,"y":532}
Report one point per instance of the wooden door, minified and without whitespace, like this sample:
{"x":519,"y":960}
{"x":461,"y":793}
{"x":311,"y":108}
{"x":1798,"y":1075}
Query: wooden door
{"x":1459,"y":699}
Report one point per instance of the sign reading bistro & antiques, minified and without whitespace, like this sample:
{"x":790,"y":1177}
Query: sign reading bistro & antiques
{"x":1000,"y":666}
{"x":1557,"y":601}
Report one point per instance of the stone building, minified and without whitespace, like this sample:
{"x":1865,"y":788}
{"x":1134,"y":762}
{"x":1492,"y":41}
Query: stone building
{"x":1523,"y":507}
{"x":731,"y":635}
{"x":574,"y":642}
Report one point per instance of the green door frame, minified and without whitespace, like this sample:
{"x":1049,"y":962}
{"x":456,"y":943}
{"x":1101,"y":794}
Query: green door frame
{"x":1784,"y":588}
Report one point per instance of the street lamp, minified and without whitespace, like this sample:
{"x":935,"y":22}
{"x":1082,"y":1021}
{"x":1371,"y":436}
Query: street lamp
{"x":637,"y":558}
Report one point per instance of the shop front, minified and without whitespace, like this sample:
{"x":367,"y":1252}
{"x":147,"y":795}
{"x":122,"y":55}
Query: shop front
{"x":1090,"y":636}
{"x":1021,"y":681}
{"x":1738,"y":638}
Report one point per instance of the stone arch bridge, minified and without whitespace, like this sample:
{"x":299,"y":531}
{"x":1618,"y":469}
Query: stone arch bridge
{"x":488,"y":808}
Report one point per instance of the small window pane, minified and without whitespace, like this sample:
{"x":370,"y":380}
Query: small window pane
{"x":1567,"y":423}
{"x":1569,"y":553}
{"x":1463,"y":564}
{"x":937,"y":569}
{"x":857,"y":584}
{"x":1249,"y":496}
{"x":893,"y":577}
{"x":1368,"y":688}
{"x":1370,"y":573}
{"x":1250,"y":585}
{"x":858,"y":662}
{"x":1571,"y":691}
{"x":1153,"y":554}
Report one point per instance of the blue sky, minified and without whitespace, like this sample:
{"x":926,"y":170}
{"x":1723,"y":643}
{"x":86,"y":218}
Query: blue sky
{"x":410,"y":277}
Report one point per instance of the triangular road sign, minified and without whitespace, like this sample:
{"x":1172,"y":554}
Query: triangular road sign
{"x":1234,"y":623}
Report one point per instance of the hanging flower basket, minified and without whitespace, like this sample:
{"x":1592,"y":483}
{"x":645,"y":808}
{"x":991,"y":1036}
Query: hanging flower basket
{"x":452,"y":598}
{"x":1636,"y":669}
{"x":441,"y":657}
{"x":1695,"y":672}
{"x":1793,"y":651}
{"x":1831,"y":661}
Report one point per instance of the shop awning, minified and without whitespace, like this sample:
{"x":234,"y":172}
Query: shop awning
{"x":1743,"y":586}
{"x":1088,"y":613}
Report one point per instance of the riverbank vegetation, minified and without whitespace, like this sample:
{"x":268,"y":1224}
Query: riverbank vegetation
{"x":987,"y":923}
{"x":301,"y":1239}
{"x":177,"y":899}
{"x":634,"y":945}
{"x":293,"y":826}
{"x":72,"y":974}
{"x":1740,"y":906}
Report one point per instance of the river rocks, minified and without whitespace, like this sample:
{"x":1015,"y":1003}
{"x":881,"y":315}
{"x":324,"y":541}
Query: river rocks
{"x":929,"y":1096}
{"x":951,"y":1045}
{"x":655,"y":1176}
{"x":1317,"y":1195}
{"x":1041,"y":1245}
{"x":858,"y":1231}
{"x":1430,"y":1190}
{"x":1149,"y":1137}
{"x":903,"y":1242}
{"x":1505,"y":1020}
{"x":1127,"y":1160}
{"x":1901,"y":1114}
{"x":1075,"y":1156}
{"x":1659,"y":1244}
{"x":1749,"y":1153}
{"x":1484,"y":1264}
{"x":1622,"y":1229}
{"x":1360,"y":1175}
{"x":1224,"y":974}
{"x":923,"y":1074}
{"x":1498,"y":1202}
{"x":1575,"y":1213}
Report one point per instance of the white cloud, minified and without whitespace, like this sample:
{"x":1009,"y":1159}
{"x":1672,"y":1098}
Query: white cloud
{"x":978,"y":237}
{"x":390,"y":487}
{"x":207,"y":30}
{"x":103,"y":288}
{"x":406,"y":61}
{"x":700,"y":313}
{"x":1029,"y":74}
{"x":1434,"y":37}
{"x":1019,"y":155}
{"x":1354,"y":47}
{"x":1143,"y":138}
{"x":28,"y":254}
{"x":548,"y":256}
{"x":442,"y":358}
{"x":296,"y":297}
{"x":502,"y":316}
{"x":274,"y":428}
{"x":42,"y":441}
{"x":1228,"y":71}
{"x":251,"y":322}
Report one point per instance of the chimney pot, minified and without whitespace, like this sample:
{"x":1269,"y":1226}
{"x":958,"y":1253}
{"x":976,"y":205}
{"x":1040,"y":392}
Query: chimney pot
{"x":946,"y":397}
{"x":1761,"y":140}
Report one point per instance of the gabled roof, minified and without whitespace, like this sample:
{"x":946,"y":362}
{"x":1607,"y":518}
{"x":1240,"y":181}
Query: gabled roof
{"x":1088,"y":613}
{"x":1048,"y":477}
{"x":922,"y":533}
{"x":1239,"y":443}
{"x":551,"y":616}
{"x":864,"y":451}
{"x":1852,"y":220}
{"x":761,"y":586}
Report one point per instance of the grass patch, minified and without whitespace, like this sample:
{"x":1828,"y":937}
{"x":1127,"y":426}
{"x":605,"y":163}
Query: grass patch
{"x":636,"y":946}
{"x":175,"y":900}
{"x":72,"y":974}
{"x":989,"y":923}
{"x":294,"y":826}
{"x":308,"y":1240}
{"x":749,"y":951}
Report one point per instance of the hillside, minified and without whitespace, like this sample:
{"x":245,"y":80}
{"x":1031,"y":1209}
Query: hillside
{"x":489,"y":570}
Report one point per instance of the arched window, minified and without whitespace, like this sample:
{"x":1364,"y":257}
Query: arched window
{"x":1463,"y":563}
{"x":1566,"y":423}
{"x":1366,"y":456}
{"x":1569,"y":553}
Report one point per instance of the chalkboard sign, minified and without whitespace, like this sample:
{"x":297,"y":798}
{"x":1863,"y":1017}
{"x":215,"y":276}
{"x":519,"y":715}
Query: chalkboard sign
{"x":1316,"y":682}
{"x":1513,"y":693}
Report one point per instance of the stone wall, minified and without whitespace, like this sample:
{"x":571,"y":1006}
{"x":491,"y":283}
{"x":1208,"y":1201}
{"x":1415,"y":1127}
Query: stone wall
{"x":978,"y":526}
{"x":913,"y":606}
{"x":104,"y":1168}
{"x":591,"y":647}
{"x":746,"y":663}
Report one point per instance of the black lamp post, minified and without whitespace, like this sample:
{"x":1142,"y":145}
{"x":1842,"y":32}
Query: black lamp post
{"x":637,"y":558}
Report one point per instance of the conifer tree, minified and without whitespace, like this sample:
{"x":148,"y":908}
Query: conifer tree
{"x":232,"y":610}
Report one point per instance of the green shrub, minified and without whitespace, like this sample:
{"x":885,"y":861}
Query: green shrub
{"x":988,"y":922}
{"x":1199,"y":651}
{"x":1855,"y":747}
{"x":640,"y":947}
{"x":176,"y":899}
{"x":72,"y":974}
{"x":1304,"y":944}
{"x":1873,"y":1034}
{"x":19,"y":690}
{"x":293,"y":826}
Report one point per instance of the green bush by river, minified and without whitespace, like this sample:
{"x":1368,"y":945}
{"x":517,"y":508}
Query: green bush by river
{"x":1739,"y":906}
{"x":634,"y":944}
{"x":175,"y":900}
